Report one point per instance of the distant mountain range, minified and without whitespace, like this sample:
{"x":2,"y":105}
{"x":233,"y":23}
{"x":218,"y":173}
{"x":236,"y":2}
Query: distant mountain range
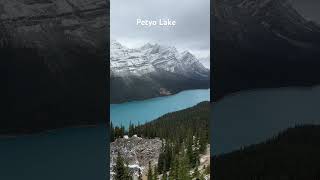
{"x":153,"y":70}
{"x":263,"y":44}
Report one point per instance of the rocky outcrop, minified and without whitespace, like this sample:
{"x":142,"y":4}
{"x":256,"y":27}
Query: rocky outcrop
{"x":54,"y":54}
{"x":137,"y":153}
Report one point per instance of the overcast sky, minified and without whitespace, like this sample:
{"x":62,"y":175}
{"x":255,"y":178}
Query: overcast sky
{"x":310,"y":9}
{"x":192,"y":30}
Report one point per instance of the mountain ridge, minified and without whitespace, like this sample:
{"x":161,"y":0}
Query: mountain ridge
{"x":153,"y":57}
{"x":150,"y":70}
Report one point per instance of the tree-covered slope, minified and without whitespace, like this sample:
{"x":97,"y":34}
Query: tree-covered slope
{"x":293,"y":154}
{"x":176,"y":125}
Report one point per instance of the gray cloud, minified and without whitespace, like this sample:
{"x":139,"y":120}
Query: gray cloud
{"x":192,"y":31}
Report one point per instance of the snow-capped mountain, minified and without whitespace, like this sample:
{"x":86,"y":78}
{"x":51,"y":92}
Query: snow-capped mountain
{"x":152,"y":58}
{"x":205,"y":61}
{"x":153,"y":70}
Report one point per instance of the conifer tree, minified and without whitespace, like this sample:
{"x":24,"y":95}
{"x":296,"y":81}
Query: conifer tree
{"x":155,"y":173}
{"x":112,"y":135}
{"x":131,"y":129}
{"x":174,"y":170}
{"x":196,"y":154}
{"x":190,"y":151}
{"x":201,"y":177}
{"x":164,"y":175}
{"x":119,"y":131}
{"x":161,"y":162}
{"x":137,"y":129}
{"x":121,"y":170}
{"x":202,"y":144}
{"x":122,"y":131}
{"x":207,"y":169}
{"x":168,"y":154}
{"x":161,"y":158}
{"x":150,"y":174}
{"x":184,"y":168}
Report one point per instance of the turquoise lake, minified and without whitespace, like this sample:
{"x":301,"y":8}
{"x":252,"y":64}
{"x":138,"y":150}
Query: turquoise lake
{"x":150,"y":109}
{"x":63,"y":154}
{"x":252,"y":117}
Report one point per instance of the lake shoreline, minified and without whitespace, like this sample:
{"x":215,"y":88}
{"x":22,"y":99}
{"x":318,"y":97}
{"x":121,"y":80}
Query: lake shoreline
{"x":156,"y":96}
{"x":160,"y":96}
{"x":47,"y":131}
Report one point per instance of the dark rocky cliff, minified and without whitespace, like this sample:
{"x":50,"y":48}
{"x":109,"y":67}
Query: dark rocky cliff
{"x":262,"y":44}
{"x":53,"y":64}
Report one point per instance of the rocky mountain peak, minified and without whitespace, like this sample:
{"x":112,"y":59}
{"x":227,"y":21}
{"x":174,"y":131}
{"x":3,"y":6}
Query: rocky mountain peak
{"x":187,"y":55}
{"x":152,"y":58}
{"x":116,"y":45}
{"x":147,"y":46}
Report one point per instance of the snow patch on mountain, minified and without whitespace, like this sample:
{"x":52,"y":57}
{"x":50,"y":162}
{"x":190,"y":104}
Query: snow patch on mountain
{"x":205,"y":61}
{"x":152,"y":58}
